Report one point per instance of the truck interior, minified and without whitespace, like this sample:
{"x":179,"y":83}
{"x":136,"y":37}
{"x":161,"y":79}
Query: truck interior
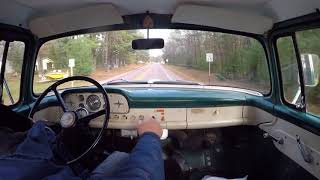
{"x":234,"y":84}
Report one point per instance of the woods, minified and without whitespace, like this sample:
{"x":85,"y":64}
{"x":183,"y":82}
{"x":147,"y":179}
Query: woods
{"x":236,"y":57}
{"x":108,"y":49}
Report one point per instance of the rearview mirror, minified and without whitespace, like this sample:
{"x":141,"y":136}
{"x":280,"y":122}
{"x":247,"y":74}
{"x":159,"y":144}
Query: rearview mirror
{"x":152,"y":43}
{"x":310,"y":65}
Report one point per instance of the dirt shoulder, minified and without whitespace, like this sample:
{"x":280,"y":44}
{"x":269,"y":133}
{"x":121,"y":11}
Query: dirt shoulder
{"x":202,"y":77}
{"x":190,"y":74}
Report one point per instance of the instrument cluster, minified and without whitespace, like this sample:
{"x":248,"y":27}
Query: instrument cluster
{"x":85,"y":103}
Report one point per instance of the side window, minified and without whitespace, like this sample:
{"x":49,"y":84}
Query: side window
{"x":289,"y":69}
{"x":309,"y":46}
{"x":12,"y":73}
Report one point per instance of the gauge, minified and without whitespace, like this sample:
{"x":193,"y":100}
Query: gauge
{"x":81,"y":97}
{"x":81,"y":105}
{"x":69,"y":101}
{"x":82,"y":112}
{"x":93,"y":102}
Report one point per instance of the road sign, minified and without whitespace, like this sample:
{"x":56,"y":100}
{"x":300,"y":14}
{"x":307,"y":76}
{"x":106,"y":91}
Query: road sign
{"x":209,"y":57}
{"x":71,"y":63}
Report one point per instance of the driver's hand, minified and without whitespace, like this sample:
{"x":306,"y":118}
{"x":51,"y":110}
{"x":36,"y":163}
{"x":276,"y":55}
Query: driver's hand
{"x":149,"y":124}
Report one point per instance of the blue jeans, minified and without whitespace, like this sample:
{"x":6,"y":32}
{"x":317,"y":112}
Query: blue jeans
{"x":111,"y":164}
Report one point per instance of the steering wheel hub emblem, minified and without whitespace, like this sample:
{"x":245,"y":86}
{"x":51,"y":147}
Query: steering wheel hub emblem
{"x":68,"y":119}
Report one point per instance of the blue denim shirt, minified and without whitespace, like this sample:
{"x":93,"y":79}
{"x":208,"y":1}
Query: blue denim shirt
{"x":33,"y":160}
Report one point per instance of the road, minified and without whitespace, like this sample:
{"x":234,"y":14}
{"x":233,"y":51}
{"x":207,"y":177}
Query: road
{"x":153,"y":71}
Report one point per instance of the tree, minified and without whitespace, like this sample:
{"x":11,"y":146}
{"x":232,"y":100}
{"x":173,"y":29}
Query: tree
{"x":236,"y":57}
{"x":57,"y":53}
{"x":80,"y":49}
{"x":15,"y":55}
{"x":114,"y":48}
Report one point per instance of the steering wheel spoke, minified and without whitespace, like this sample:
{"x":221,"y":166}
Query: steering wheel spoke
{"x":60,"y":100}
{"x":88,"y":118}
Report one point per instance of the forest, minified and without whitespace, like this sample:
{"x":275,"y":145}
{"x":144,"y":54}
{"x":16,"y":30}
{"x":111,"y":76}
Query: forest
{"x":108,"y":50}
{"x":235,"y":57}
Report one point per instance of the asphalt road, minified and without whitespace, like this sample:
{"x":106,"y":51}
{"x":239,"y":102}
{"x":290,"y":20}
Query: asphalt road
{"x":147,"y":72}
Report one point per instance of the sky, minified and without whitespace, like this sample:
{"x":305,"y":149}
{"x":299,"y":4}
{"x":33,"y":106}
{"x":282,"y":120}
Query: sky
{"x":157,"y":33}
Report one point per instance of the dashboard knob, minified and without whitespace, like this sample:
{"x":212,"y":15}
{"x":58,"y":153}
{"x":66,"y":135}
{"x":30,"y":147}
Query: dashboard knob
{"x":141,"y":118}
{"x":133,"y":118}
{"x":124,"y":117}
{"x":116,"y":117}
{"x":215,"y":112}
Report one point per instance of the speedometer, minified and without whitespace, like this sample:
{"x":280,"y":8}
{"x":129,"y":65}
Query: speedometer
{"x":93,"y":102}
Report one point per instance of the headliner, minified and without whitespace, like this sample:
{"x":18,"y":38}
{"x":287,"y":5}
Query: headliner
{"x":21,"y":12}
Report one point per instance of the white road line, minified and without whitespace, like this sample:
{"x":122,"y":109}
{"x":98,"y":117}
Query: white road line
{"x":122,"y":75}
{"x":175,"y":76}
{"x":165,"y":72}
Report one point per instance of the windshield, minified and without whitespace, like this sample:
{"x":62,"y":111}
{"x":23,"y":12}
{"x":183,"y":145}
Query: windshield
{"x":189,"y":57}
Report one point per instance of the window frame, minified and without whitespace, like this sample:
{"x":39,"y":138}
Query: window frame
{"x":300,"y":73}
{"x":13,"y":33}
{"x":4,"y":66}
{"x":260,"y":38}
{"x":304,"y":87}
{"x":287,"y":28}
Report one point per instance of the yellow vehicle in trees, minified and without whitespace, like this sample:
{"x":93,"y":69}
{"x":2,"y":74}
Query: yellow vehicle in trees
{"x":55,"y":75}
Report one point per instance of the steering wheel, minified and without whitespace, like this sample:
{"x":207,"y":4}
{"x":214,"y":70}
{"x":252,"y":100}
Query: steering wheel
{"x":70,"y":118}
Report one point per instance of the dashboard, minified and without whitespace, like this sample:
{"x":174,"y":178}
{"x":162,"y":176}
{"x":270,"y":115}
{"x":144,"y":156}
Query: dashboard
{"x":175,"y":109}
{"x":185,"y":108}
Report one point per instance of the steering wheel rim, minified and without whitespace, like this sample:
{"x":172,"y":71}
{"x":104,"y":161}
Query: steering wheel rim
{"x":106,"y":110}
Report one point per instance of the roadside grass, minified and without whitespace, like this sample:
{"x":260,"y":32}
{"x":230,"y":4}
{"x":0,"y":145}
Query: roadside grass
{"x":313,"y":108}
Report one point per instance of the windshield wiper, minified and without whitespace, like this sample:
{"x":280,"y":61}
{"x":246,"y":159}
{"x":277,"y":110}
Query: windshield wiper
{"x":123,"y":81}
{"x":178,"y":82}
{"x":116,"y":81}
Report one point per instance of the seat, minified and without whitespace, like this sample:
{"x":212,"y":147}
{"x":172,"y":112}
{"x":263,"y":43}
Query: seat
{"x":13,"y":120}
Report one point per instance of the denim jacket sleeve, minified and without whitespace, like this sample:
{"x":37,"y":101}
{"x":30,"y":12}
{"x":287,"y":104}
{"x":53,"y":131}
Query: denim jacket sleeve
{"x":145,"y":161}
{"x":33,"y":159}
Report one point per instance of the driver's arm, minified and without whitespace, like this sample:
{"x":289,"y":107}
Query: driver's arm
{"x":145,"y":160}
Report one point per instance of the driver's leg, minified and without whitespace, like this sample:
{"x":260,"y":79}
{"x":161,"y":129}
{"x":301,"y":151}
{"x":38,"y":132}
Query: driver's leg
{"x":9,"y":140}
{"x":111,"y":164}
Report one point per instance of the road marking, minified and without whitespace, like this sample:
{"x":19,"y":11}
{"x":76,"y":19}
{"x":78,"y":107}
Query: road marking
{"x":147,"y":72}
{"x":166,"y":73}
{"x":123,"y":75}
{"x":141,"y":75}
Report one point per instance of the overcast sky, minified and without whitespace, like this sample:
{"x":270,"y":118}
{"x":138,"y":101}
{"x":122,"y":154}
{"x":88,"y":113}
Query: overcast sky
{"x":157,"y":33}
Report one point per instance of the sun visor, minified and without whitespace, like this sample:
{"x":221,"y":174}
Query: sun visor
{"x":222,"y":18}
{"x":83,"y":18}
